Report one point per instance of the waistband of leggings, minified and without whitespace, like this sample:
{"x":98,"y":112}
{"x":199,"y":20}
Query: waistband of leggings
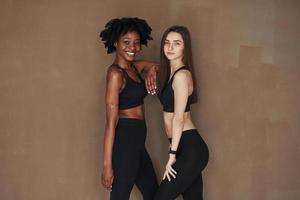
{"x":190,"y":131}
{"x":131,"y":120}
{"x":186,"y":133}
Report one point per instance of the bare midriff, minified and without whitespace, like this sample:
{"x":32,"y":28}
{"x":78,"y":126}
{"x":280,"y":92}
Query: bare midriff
{"x":168,"y":118}
{"x":137,"y":112}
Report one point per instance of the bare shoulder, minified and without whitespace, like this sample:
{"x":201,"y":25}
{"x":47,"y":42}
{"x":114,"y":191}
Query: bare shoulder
{"x":182,"y":76}
{"x":114,"y":73}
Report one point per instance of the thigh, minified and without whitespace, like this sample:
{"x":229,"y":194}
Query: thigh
{"x":126,"y":156}
{"x":125,"y":169}
{"x":195,"y":190}
{"x":125,"y":162}
{"x":187,"y":172}
{"x":146,"y":178}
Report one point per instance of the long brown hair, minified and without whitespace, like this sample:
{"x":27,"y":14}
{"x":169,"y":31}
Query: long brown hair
{"x":165,"y":69}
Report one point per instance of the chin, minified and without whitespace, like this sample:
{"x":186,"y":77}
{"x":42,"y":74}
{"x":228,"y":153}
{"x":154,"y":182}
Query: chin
{"x":131,"y":59}
{"x":169,"y":57}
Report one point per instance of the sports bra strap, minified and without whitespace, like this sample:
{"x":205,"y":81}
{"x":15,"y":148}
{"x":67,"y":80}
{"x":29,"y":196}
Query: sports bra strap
{"x":119,"y":67}
{"x":180,"y":68}
{"x":125,"y":72}
{"x":137,"y":72}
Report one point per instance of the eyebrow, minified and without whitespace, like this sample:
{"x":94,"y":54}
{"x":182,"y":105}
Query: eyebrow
{"x":127,"y":38}
{"x":174,"y":40}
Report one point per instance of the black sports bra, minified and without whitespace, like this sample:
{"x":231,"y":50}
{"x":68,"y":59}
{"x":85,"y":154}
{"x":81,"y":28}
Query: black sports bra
{"x":133,"y":93}
{"x":166,"y":97}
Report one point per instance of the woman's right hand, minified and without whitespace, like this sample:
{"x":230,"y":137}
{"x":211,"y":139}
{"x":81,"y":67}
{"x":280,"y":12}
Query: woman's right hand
{"x":107,"y":177}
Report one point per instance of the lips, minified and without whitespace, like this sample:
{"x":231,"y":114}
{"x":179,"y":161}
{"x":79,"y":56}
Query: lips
{"x":170,"y":53}
{"x":130,"y":53}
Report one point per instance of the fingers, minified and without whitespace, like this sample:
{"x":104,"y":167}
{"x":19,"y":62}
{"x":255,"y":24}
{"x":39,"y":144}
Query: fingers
{"x":107,"y":183}
{"x":169,"y":172}
{"x":164,"y":175}
{"x":168,"y":176}
{"x":107,"y":186}
{"x":154,"y":82}
{"x":148,"y":86}
{"x":172,"y":172}
{"x":151,"y":84}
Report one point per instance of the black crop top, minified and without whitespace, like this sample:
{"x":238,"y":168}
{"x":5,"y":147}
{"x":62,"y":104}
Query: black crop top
{"x":166,"y":97}
{"x":133,"y":93}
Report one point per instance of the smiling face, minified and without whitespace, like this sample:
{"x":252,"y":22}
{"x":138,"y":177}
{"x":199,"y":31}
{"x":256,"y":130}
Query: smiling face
{"x":174,"y":46}
{"x":128,"y":46}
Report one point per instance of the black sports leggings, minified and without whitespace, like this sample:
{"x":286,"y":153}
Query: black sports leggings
{"x":131,"y":161}
{"x":191,"y":159}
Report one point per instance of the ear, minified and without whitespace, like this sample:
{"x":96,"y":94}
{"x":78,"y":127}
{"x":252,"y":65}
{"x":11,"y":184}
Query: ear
{"x":115,"y":44}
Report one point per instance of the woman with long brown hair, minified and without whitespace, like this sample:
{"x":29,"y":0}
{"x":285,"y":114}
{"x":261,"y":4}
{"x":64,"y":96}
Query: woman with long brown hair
{"x":188,"y":153}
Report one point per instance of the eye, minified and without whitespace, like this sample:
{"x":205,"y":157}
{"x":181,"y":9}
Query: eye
{"x":166,"y":42}
{"x":126,"y":42}
{"x":137,"y":43}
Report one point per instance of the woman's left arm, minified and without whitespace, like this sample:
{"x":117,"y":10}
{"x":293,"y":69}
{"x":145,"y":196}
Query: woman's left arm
{"x":150,"y":70}
{"x":180,"y":87}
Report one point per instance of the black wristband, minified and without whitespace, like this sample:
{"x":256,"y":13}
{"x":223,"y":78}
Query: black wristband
{"x":172,"y":152}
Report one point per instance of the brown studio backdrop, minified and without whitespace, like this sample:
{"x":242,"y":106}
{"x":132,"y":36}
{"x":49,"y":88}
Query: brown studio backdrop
{"x":52,"y":80}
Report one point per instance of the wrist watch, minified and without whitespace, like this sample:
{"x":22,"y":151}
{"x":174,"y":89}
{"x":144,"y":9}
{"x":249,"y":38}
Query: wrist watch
{"x":172,"y":152}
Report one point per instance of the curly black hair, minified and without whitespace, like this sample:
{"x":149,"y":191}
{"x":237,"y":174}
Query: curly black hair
{"x":118,"y":27}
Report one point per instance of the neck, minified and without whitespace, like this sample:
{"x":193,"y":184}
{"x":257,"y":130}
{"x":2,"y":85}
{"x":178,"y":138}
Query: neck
{"x":176,"y":64}
{"x":122,"y":63}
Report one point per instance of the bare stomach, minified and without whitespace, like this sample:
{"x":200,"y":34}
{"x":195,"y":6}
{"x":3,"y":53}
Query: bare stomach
{"x":168,"y":118}
{"x":135,"y":112}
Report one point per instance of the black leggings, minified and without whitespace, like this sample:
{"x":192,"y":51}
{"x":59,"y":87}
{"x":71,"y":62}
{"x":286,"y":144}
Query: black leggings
{"x":191,"y":159}
{"x":131,"y":161}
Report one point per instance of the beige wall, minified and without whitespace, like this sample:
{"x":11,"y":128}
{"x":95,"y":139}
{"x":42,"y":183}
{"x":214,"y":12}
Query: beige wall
{"x":52,"y":75}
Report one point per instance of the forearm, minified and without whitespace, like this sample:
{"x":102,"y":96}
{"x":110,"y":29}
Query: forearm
{"x":150,"y":67}
{"x":177,"y":127}
{"x":108,"y":141}
{"x":168,"y":125}
{"x":146,"y":66}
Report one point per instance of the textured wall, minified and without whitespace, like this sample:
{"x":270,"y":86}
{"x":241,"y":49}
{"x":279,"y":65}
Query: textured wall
{"x":52,"y":75}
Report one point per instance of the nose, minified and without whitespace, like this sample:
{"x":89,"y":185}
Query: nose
{"x":170,"y":46}
{"x":132,"y":47}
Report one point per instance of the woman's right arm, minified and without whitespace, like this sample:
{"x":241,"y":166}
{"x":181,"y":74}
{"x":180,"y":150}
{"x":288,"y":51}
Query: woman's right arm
{"x":150,"y":69}
{"x":113,"y":85}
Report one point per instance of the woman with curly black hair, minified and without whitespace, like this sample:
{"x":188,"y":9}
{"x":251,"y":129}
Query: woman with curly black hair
{"x":126,"y":161}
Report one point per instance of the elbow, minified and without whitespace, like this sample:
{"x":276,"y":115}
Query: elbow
{"x":178,"y":120}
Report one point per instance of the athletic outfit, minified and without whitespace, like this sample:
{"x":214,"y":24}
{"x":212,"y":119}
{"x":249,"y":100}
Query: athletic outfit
{"x":130,"y":159}
{"x":191,"y":158}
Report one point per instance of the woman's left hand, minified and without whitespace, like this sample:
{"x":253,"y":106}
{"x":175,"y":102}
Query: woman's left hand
{"x":169,"y":169}
{"x":150,"y":80}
